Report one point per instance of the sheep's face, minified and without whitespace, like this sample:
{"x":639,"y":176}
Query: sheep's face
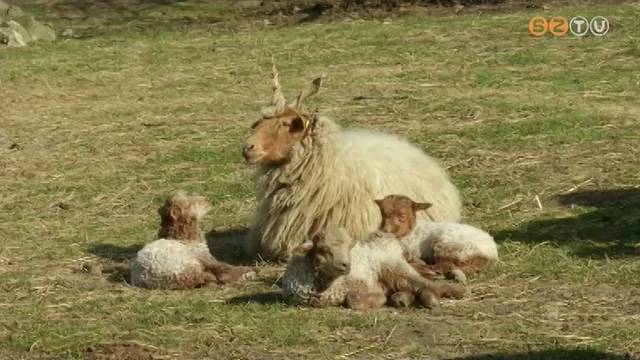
{"x":180,"y":214}
{"x":273,"y":138}
{"x":399,"y":214}
{"x":330,"y":255}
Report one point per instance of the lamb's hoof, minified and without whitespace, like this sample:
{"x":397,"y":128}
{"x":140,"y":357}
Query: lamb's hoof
{"x":402,"y":299}
{"x":458,"y":276}
{"x":429,"y":300}
{"x":249,"y":275}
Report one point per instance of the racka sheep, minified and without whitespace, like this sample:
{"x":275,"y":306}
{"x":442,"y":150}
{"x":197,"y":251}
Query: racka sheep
{"x":451,"y":249}
{"x":335,"y":269}
{"x":312,"y":174}
{"x":180,"y":259}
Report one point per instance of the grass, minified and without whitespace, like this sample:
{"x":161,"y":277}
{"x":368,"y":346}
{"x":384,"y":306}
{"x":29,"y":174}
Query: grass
{"x":148,"y":99}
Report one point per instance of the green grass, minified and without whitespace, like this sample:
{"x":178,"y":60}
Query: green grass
{"x":154,"y":98}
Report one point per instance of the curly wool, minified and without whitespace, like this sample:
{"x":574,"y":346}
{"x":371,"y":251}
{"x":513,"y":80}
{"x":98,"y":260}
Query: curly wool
{"x":429,"y":240}
{"x":170,"y":264}
{"x":368,"y":260}
{"x":332,"y":179}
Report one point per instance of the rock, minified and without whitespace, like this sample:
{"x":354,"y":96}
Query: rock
{"x":14,"y":35}
{"x":3,"y":7}
{"x":247,"y":4}
{"x":68,"y":33}
{"x":14,"y":12}
{"x":40,"y":31}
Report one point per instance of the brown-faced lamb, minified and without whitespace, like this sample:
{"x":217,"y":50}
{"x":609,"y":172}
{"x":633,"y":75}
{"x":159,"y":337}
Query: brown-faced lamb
{"x":334,"y":269}
{"x":312,"y":174}
{"x":181,"y":259}
{"x":450,"y":249}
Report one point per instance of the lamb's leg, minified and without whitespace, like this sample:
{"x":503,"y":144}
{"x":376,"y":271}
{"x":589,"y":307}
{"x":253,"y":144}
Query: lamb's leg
{"x":360,"y":300}
{"x":224,"y":272}
{"x":424,"y":269}
{"x":400,"y":276}
{"x":402,"y":299}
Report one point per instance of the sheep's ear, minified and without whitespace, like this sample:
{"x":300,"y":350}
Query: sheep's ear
{"x":421,"y":206}
{"x":303,"y":249}
{"x":298,"y":124}
{"x":379,"y":202}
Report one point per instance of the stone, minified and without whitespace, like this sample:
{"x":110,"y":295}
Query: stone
{"x":40,"y":31}
{"x":14,"y":12}
{"x":4,"y":7}
{"x":14,"y":34}
{"x":247,"y":4}
{"x":67,"y":33}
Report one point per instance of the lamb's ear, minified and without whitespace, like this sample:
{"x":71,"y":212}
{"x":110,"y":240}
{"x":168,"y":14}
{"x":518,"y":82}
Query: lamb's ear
{"x":318,"y":237}
{"x":421,"y":206}
{"x":303,"y":249}
{"x":200,"y":206}
{"x":175,"y":212}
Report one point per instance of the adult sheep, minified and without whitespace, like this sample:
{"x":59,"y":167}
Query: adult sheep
{"x":312,"y":174}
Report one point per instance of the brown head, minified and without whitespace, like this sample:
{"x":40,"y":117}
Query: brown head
{"x":329,"y":253}
{"x":399,"y":214}
{"x":273,"y":136}
{"x":179,"y":217}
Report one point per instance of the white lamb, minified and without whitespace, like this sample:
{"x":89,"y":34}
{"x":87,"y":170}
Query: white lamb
{"x":452,"y":249}
{"x":312,"y":174}
{"x":181,"y":258}
{"x":336,"y":270}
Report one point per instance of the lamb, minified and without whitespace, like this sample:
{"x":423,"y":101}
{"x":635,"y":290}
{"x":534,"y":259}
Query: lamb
{"x":451,"y":249}
{"x":335,"y":269}
{"x":180,"y":259}
{"x":311,"y":174}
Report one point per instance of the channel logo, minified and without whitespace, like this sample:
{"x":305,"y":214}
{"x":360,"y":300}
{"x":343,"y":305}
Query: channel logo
{"x":578,"y":26}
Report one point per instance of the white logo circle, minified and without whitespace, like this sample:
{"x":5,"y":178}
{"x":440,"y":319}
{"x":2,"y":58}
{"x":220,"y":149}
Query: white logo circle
{"x":601,"y":28}
{"x":579,"y":26}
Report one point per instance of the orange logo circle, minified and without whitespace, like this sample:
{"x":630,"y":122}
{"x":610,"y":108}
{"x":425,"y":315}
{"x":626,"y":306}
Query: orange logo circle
{"x":538,"y":26}
{"x":558,"y":26}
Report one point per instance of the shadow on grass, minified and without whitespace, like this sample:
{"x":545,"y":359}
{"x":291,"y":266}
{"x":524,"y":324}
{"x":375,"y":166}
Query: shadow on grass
{"x":612,"y":229}
{"x":555,"y":354}
{"x":272,"y":297}
{"x":116,"y":253}
{"x":228,"y":245}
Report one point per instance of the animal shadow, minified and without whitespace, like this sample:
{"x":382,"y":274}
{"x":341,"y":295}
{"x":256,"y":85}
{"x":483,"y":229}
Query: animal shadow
{"x":553,"y":354}
{"x":611,"y":228}
{"x":228,"y":245}
{"x":272,"y":297}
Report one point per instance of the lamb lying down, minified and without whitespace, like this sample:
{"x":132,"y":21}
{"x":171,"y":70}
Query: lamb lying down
{"x":180,"y":259}
{"x":451,"y":249}
{"x":335,"y":269}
